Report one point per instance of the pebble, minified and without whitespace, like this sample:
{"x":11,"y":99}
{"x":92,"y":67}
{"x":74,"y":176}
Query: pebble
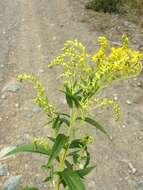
{"x":17,"y":105}
{"x":54,"y":37}
{"x":124,"y":126}
{"x":36,"y":109}
{"x":3,"y":96}
{"x":139,"y":84}
{"x":1,"y":66}
{"x":131,"y":167}
{"x":128,"y":102}
{"x":115,"y":97}
{"x":11,"y":87}
{"x":12,"y":183}
{"x":3,"y":169}
{"x":28,"y":115}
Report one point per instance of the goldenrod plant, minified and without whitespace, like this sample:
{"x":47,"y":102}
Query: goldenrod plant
{"x":84,"y":77}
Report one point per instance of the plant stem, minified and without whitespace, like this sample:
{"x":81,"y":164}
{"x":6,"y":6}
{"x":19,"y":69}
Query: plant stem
{"x":64,"y":154}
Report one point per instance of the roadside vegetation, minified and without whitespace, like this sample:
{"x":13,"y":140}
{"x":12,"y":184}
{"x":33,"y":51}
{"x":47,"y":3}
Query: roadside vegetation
{"x":132,"y":8}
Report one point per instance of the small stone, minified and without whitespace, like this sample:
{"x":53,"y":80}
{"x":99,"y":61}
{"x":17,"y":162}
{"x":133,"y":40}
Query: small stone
{"x":54,"y":37}
{"x":28,"y":115}
{"x":139,"y":84}
{"x":115,"y":97}
{"x":36,"y":109}
{"x":17,"y":105}
{"x":124,"y":126}
{"x":3,"y":96}
{"x":3,"y":169}
{"x":2,"y":66}
{"x":128,"y":102}
{"x":131,"y":167}
{"x":12,"y":183}
{"x":11,"y":87}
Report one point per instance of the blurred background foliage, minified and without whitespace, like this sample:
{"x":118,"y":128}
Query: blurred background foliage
{"x":116,"y":6}
{"x":131,"y":8}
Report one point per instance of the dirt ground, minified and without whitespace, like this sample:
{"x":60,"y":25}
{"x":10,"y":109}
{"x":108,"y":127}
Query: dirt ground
{"x":31,"y":34}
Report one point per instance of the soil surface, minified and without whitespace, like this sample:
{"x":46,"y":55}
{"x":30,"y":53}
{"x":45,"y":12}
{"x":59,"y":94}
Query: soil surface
{"x":31,"y":34}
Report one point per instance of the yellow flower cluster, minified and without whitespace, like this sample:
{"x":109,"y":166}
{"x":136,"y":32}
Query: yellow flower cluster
{"x":75,"y":60}
{"x":121,"y":63}
{"x":109,"y":102}
{"x":92,"y":73}
{"x":41,"y":99}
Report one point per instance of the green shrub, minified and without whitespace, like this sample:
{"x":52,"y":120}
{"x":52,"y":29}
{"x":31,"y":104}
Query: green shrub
{"x":103,"y":5}
{"x":116,"y":6}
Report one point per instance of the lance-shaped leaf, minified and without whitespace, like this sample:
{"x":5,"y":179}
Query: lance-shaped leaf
{"x":60,"y":142}
{"x":72,"y":179}
{"x":34,"y":148}
{"x":94,"y":124}
{"x":85,"y":171}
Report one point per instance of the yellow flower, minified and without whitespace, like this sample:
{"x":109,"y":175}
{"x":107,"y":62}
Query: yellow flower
{"x":41,"y":99}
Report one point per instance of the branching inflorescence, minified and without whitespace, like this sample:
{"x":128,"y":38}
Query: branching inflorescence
{"x":84,"y":77}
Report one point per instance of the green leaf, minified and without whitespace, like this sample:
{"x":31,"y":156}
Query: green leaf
{"x":77,"y":143}
{"x":47,"y":179}
{"x":64,"y":120}
{"x":73,"y":153}
{"x":60,"y":142}
{"x":51,"y":138}
{"x":64,"y":114}
{"x":72,"y":179}
{"x":94,"y":124}
{"x":87,"y":158}
{"x":30,"y":148}
{"x":30,"y":188}
{"x":68,"y":164}
{"x":76,"y":100}
{"x":69,"y":100}
{"x":57,"y":123}
{"x":85,"y":171}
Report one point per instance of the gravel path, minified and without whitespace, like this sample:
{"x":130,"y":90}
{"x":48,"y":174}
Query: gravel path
{"x":32,"y":32}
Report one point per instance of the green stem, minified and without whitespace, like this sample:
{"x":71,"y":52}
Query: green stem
{"x":64,"y":154}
